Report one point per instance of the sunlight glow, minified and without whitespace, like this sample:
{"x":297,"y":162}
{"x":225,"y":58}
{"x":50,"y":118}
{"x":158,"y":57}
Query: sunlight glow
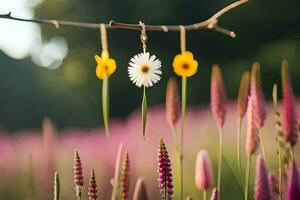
{"x":20,"y":40}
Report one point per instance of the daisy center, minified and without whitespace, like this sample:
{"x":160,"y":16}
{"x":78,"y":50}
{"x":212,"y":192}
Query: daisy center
{"x":145,"y":69}
{"x":185,"y":66}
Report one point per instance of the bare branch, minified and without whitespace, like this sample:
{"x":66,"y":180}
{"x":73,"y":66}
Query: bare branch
{"x":211,"y":23}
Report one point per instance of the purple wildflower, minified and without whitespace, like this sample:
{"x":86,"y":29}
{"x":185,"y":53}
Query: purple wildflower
{"x":261,"y":189}
{"x":165,"y":172}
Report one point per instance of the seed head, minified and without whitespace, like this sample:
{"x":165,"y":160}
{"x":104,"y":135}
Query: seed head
{"x":289,"y":111}
{"x":203,"y":173}
{"x":172,"y":102}
{"x":218,"y":96}
{"x":125,"y":177}
{"x":242,"y":101}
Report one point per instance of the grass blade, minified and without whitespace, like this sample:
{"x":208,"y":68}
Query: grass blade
{"x":115,"y":182}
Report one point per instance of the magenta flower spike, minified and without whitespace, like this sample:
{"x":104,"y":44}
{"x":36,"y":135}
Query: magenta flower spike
{"x":173,"y":108}
{"x":203,"y":173}
{"x":293,"y":190}
{"x":257,"y":96}
{"x":218,"y":96}
{"x":165,"y":172}
{"x":78,"y":175}
{"x":261,"y":189}
{"x":92,"y":190}
{"x":273,"y":184}
{"x":290,"y":125}
{"x":252,"y":142}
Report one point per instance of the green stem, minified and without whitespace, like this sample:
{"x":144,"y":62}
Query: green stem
{"x":183,"y":110}
{"x":262,"y":146}
{"x":144,"y":112}
{"x":174,"y":133}
{"x":115,"y":181}
{"x":105,"y":105}
{"x":247,"y":177}
{"x":279,"y":170}
{"x":291,"y":152}
{"x":79,"y":191}
{"x":204,"y":194}
{"x":220,"y":159}
{"x":238,"y":146}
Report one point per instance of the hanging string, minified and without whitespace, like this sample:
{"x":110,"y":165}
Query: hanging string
{"x":103,"y":37}
{"x":182,"y":39}
{"x":143,"y":36}
{"x":55,"y":23}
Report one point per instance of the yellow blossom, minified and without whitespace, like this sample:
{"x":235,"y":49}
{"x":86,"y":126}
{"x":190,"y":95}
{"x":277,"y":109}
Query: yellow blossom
{"x":184,"y":64}
{"x":105,"y":66}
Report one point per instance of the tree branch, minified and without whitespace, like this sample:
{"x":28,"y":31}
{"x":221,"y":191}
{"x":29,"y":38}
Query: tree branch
{"x":211,"y":23}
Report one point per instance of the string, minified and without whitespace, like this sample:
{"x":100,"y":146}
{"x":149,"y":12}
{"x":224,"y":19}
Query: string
{"x":182,"y":39}
{"x":143,"y":36}
{"x":103,"y":37}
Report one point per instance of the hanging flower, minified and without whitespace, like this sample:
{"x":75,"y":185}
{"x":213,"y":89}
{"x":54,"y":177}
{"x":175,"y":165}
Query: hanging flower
{"x":184,"y":64}
{"x":105,"y":66}
{"x":144,"y":70}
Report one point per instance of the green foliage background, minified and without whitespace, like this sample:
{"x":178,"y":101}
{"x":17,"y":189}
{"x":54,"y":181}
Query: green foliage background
{"x":267,"y":31}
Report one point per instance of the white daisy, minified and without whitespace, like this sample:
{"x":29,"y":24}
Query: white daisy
{"x":144,"y":70}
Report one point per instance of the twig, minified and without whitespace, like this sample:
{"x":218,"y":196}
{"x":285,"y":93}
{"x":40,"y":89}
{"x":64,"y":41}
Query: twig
{"x":211,"y":23}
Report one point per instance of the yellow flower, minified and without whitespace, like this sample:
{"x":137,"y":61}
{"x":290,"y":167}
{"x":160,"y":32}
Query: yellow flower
{"x":184,"y":64}
{"x":105,"y":66}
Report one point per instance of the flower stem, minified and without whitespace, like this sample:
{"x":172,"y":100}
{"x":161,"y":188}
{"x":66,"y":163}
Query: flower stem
{"x":144,"y":112}
{"x":279,"y":170}
{"x":220,"y":158}
{"x":115,"y":180}
{"x":238,"y":146}
{"x":183,"y":110}
{"x":262,"y":146}
{"x":247,"y":177}
{"x":79,"y":191}
{"x":204,"y":194}
{"x":105,"y":105}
